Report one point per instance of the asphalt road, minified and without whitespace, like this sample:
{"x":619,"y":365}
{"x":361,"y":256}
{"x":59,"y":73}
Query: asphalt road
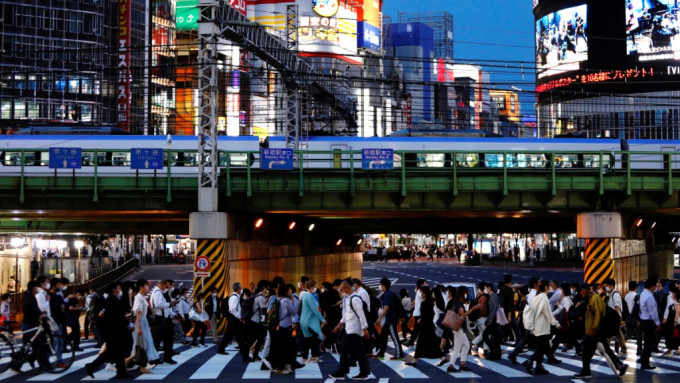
{"x":203,"y":365}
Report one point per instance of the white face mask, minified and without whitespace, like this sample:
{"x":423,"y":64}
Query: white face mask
{"x":573,"y":292}
{"x":130,"y":292}
{"x":214,"y":294}
{"x":120,"y":294}
{"x":552,"y":290}
{"x":599,"y":291}
{"x":47,"y":286}
{"x":609,"y":289}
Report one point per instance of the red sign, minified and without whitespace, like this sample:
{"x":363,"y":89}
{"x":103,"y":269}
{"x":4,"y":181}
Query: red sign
{"x":443,"y":74}
{"x":240,"y":5}
{"x":597,"y":77}
{"x":202,"y":263}
{"x":123,"y":66}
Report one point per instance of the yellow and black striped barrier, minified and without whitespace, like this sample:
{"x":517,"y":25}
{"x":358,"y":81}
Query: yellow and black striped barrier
{"x":598,"y":261}
{"x":216,"y":251}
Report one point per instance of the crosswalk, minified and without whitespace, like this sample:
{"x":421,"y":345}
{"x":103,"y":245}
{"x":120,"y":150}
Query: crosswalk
{"x":203,"y":364}
{"x":374,"y":283}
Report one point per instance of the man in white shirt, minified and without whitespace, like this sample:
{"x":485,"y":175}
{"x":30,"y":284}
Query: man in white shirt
{"x":41,"y":296}
{"x":356,"y":328}
{"x":164,"y":329}
{"x":416,"y":312}
{"x":615,"y":301}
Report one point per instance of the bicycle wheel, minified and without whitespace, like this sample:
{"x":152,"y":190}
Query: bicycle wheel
{"x":51,"y":356}
{"x":6,"y":352}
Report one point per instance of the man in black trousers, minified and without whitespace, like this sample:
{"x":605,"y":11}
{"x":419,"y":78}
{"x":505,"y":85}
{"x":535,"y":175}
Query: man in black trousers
{"x":115,"y":329}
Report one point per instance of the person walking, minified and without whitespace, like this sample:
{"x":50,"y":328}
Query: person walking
{"x":615,"y":301}
{"x":428,"y":343}
{"x":480,"y":317}
{"x":311,"y":322}
{"x":212,"y":309}
{"x":491,"y":333}
{"x":355,"y":325}
{"x":115,"y":330}
{"x":649,"y":323}
{"x":143,"y":338}
{"x":198,"y":320}
{"x":594,"y":316}
{"x":284,"y":360}
{"x":543,"y":319}
{"x":461,"y":345}
{"x":416,"y":312}
{"x":389,"y":327}
{"x":162,"y":309}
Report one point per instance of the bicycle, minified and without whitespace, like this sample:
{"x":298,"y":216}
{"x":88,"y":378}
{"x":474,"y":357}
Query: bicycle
{"x":42,"y":347}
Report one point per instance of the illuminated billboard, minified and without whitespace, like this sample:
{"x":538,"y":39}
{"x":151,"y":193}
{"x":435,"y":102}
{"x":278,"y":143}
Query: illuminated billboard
{"x":326,"y":26}
{"x":652,"y":29}
{"x":562,"y":41}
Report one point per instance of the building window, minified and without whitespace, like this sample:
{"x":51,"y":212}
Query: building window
{"x":73,"y":22}
{"x":46,"y":83}
{"x":19,"y":109}
{"x":32,"y":82}
{"x":33,"y":110}
{"x":73,"y":85}
{"x":6,"y":109}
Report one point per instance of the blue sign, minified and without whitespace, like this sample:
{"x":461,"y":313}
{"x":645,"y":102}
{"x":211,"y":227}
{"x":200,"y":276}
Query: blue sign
{"x":372,"y":159}
{"x":368,"y":36}
{"x":277,"y":159}
{"x":146,"y":158}
{"x":65,"y":158}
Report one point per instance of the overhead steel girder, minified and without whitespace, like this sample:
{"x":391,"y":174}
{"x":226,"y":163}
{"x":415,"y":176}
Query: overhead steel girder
{"x":230,"y":24}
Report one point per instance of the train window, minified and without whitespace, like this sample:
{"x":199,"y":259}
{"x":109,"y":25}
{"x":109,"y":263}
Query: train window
{"x":467,"y":160}
{"x":235,"y":159}
{"x":120,"y":158}
{"x":431,"y":160}
{"x":88,"y":158}
{"x":14,"y":158}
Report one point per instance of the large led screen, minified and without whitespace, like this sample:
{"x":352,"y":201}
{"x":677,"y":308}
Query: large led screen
{"x":653,"y":29}
{"x":562,"y":41}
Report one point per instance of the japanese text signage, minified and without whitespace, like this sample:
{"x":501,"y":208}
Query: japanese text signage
{"x":187,"y":15}
{"x":277,"y":159}
{"x":145,"y":158}
{"x":598,"y":77}
{"x":372,"y":159}
{"x":123,"y":65}
{"x":65,"y":158}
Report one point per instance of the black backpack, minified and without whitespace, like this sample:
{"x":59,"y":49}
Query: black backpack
{"x":247,"y":308}
{"x":398,"y":307}
{"x":474,"y":315}
{"x":611,"y":323}
{"x":273,"y":316}
{"x":625,"y":313}
{"x":635,"y":314}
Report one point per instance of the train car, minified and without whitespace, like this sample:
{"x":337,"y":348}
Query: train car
{"x":654,"y":161}
{"x":475,"y":152}
{"x":116,"y":158}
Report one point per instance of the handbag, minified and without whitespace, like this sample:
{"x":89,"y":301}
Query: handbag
{"x":501,"y":318}
{"x":453,"y":321}
{"x":194,"y":316}
{"x":140,"y":353}
{"x":676,"y":332}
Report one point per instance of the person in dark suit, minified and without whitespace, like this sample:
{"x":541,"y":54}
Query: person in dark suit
{"x":32,"y":317}
{"x":212,"y":303}
{"x":115,"y":330}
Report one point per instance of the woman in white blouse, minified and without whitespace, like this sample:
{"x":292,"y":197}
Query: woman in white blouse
{"x":543,"y":318}
{"x":142,"y":334}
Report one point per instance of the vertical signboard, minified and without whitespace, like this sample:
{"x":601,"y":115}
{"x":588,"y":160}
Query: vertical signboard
{"x":123,"y":65}
{"x":369,"y":34}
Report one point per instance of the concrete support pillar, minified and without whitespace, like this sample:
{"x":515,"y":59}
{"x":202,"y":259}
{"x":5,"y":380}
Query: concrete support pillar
{"x":210,"y":230}
{"x":598,"y":229}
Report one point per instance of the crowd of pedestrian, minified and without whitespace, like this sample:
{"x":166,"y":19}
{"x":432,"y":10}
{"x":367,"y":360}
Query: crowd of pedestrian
{"x":276,"y":322}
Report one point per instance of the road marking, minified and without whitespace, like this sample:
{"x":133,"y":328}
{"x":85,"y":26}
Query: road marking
{"x":461,"y":374}
{"x":77,"y":365}
{"x":498,"y":368}
{"x":253,"y":372}
{"x":310,"y":371}
{"x":402,"y":369}
{"x":353,"y":371}
{"x":213,"y":367}
{"x":163,"y":370}
{"x":552,"y":369}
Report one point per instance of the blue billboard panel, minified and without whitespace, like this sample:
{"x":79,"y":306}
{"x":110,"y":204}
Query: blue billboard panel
{"x":368,"y":36}
{"x":277,"y":159}
{"x":65,"y":158}
{"x":146,"y":158}
{"x":377,"y":159}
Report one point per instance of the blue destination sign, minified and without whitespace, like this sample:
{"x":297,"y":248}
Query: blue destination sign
{"x":65,"y":158}
{"x":377,"y":159}
{"x":276,"y":159}
{"x":146,"y":158}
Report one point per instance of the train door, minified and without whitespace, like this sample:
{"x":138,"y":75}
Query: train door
{"x":338,"y":156}
{"x":675,"y":158}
